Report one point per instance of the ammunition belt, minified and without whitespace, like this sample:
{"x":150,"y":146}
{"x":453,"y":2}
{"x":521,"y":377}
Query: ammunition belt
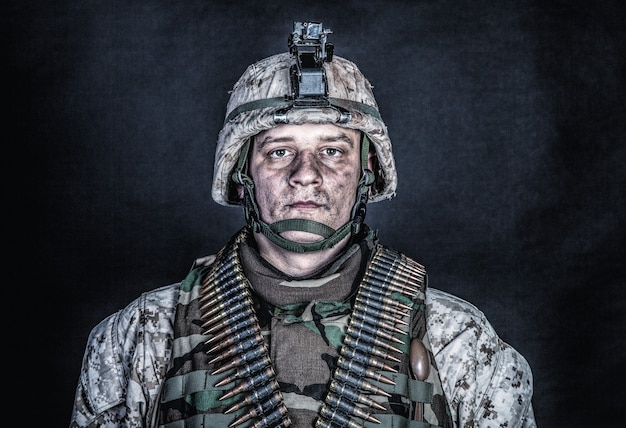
{"x":381,"y":313}
{"x":378,"y":333}
{"x":229,"y":318}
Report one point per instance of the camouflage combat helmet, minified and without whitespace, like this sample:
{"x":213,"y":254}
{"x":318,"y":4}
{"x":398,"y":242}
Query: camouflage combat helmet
{"x":306,"y":85}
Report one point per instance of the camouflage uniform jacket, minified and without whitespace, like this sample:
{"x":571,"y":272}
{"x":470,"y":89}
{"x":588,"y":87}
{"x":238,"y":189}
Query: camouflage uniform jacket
{"x":486,"y":381}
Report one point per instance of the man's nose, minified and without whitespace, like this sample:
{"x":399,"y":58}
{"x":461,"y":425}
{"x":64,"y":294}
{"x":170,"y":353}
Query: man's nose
{"x":306,"y":170}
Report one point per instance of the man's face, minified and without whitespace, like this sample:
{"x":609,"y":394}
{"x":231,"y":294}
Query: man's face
{"x":308,"y":171}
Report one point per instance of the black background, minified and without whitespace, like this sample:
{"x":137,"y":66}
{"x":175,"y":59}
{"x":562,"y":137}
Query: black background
{"x":508,"y":124}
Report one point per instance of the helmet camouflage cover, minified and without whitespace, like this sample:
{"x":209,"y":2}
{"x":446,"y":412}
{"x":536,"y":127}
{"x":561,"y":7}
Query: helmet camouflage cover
{"x":249,"y":113}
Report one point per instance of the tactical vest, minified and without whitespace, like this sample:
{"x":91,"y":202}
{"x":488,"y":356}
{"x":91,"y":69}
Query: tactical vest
{"x":221,"y":374}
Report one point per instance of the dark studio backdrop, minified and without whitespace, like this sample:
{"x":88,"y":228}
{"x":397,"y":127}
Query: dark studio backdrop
{"x":508,"y":125}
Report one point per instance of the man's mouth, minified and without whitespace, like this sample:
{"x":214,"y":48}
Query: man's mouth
{"x":303,"y":205}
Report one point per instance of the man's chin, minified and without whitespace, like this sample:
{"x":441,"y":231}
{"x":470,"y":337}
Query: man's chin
{"x":302,"y":237}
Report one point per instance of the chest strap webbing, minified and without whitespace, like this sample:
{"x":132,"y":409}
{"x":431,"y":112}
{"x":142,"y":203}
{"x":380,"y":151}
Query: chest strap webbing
{"x":233,"y":350}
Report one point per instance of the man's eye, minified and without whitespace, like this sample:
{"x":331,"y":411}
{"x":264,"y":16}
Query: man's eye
{"x":332,"y":152}
{"x":278,"y":153}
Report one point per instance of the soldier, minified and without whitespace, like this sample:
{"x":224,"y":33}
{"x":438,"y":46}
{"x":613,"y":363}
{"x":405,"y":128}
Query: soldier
{"x":304,"y":318}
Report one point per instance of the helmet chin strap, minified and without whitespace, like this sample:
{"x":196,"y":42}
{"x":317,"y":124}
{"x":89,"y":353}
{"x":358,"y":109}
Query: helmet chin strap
{"x":330,"y":236}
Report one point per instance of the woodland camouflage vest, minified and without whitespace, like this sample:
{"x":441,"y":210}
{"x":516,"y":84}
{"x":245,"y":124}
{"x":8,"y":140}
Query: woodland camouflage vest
{"x":222,"y":372}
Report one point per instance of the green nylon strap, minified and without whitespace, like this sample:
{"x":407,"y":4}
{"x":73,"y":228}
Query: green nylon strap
{"x":298,"y":247}
{"x":183,"y":345}
{"x":365,"y":150}
{"x":415,"y":390}
{"x":196,"y":381}
{"x":396,"y":421}
{"x":420,"y":391}
{"x":355,"y":105}
{"x":212,"y":420}
{"x":285,"y":103}
{"x":238,"y":176}
{"x":303,"y":226}
{"x":368,"y":175}
{"x":205,"y":420}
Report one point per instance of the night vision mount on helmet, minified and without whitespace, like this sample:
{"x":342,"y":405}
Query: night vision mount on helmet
{"x":308,"y":84}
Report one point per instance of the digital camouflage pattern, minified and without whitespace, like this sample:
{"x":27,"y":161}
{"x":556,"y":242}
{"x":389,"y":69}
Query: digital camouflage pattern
{"x":486,"y":382}
{"x":303,"y":324}
{"x":493,"y":383}
{"x":268,"y":79}
{"x":126,"y":358}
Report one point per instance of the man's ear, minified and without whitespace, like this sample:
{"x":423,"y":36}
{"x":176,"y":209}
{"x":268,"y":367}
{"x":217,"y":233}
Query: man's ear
{"x":374,"y":166}
{"x":372,"y":159}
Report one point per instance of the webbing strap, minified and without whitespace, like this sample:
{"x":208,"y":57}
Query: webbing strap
{"x":189,"y":383}
{"x":205,"y":420}
{"x":396,"y":421}
{"x":192,"y":385}
{"x":415,"y":390}
{"x":298,"y":247}
{"x":285,"y":103}
{"x":304,"y":226}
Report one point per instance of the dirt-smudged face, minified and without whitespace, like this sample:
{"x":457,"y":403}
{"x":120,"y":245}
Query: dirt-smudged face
{"x":308,"y":171}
